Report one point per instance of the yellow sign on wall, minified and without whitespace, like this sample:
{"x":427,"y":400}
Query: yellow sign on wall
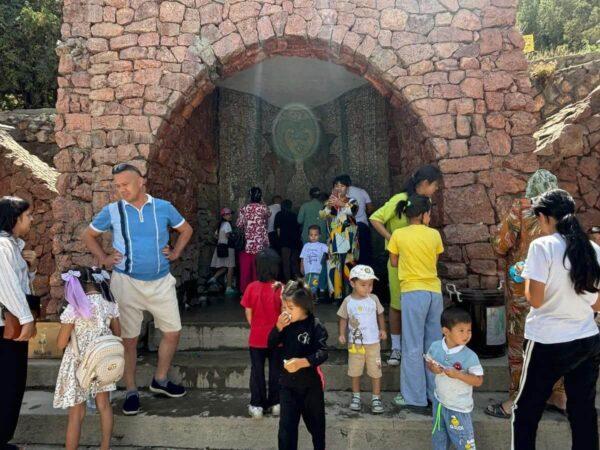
{"x":529,"y":44}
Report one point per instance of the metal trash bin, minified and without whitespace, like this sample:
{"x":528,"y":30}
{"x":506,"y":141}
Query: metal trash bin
{"x":488,"y":313}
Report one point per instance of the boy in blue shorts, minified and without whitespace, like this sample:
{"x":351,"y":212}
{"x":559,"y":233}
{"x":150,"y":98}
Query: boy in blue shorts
{"x":457,"y":369}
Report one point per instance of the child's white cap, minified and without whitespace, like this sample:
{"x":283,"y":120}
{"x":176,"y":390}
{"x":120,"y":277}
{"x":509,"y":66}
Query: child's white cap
{"x":363,"y":272}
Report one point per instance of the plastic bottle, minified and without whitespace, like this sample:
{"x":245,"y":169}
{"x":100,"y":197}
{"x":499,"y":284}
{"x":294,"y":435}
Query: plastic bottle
{"x":515,"y":272}
{"x":91,"y":404}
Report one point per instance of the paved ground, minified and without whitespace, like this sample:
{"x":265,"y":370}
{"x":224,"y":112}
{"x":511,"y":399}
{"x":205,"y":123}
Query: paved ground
{"x":219,"y":420}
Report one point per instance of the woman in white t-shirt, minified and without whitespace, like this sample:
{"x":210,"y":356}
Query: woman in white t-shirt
{"x":562,"y":275}
{"x":224,"y":256}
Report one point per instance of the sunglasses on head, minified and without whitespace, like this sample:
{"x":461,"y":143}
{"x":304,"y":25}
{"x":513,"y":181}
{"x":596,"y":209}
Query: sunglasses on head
{"x":124,"y":167}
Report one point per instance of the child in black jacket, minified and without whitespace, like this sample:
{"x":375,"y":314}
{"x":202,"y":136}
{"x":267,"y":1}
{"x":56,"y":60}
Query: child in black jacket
{"x":304,"y":341}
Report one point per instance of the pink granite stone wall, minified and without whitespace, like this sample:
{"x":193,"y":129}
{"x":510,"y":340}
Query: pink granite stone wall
{"x":132,"y":73}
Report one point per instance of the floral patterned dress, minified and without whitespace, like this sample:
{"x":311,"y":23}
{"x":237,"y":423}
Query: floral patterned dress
{"x":253,"y":219}
{"x":68,"y":392}
{"x":517,"y":231}
{"x":343,"y":247}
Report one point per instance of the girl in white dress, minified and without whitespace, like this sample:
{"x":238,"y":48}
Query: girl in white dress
{"x":91,"y":312}
{"x":224,"y":264}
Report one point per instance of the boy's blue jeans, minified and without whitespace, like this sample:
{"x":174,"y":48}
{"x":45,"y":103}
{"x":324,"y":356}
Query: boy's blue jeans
{"x":451,"y":427}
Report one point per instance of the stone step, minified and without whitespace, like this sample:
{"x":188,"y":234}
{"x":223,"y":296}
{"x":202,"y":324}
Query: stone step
{"x":222,"y":325}
{"x":225,"y":335}
{"x":218,"y":420}
{"x":230,"y":369}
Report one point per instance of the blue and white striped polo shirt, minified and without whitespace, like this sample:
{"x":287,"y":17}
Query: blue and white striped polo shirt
{"x":140,"y":236}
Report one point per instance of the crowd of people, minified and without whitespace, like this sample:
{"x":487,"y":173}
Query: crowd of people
{"x":325,"y":249}
{"x":338,"y":220}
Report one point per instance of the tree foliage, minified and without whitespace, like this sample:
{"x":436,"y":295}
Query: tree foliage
{"x":29,"y":30}
{"x":571,"y":24}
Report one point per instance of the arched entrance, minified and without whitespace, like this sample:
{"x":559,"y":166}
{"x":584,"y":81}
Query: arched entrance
{"x":209,"y":156}
{"x":133,"y":72}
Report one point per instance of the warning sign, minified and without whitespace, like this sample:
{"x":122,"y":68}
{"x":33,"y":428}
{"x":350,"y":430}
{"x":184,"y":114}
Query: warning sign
{"x":529,"y":44}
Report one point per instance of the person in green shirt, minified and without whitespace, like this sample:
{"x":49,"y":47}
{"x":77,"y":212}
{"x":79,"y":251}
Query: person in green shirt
{"x":309,"y":215}
{"x":387,"y":219}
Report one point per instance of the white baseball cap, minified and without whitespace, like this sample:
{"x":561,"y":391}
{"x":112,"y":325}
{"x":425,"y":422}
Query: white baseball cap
{"x":363,"y":272}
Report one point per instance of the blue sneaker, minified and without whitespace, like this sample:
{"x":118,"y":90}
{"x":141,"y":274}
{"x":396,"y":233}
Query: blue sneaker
{"x":170,"y":390}
{"x":132,"y":405}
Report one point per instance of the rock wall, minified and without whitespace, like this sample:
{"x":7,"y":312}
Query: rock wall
{"x":573,"y":80}
{"x":26,"y":176}
{"x":352,"y":125}
{"x":132,"y":73}
{"x":188,"y":178}
{"x":34,"y":130}
{"x":568,"y":144}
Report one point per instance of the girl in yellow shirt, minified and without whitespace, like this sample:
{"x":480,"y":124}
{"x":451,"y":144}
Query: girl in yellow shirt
{"x":414,"y":250}
{"x":386,"y":220}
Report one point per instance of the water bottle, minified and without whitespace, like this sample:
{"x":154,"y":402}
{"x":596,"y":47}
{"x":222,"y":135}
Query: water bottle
{"x":91,"y":404}
{"x":515,"y":272}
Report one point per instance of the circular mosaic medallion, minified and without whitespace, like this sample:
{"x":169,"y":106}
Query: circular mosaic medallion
{"x":296,"y":132}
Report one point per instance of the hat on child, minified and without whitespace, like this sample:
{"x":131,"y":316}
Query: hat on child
{"x":363,"y":272}
{"x":226,"y":211}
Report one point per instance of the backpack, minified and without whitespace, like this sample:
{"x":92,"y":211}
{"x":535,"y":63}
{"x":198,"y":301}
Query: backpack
{"x":103,"y":361}
{"x":237,"y":240}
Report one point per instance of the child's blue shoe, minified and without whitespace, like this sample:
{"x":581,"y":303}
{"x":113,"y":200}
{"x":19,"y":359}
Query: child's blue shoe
{"x":132,"y":405}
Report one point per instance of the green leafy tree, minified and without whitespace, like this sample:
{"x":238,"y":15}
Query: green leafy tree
{"x":569,"y":24}
{"x":29,"y":30}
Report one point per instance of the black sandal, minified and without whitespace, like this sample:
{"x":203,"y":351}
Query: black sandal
{"x":497,"y":410}
{"x":556,"y":409}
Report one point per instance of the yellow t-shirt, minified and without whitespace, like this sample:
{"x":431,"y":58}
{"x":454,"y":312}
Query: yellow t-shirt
{"x":417,"y":247}
{"x":387,"y":214}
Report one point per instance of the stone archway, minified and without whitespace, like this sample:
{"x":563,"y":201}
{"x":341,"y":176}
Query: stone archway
{"x":133,"y":71}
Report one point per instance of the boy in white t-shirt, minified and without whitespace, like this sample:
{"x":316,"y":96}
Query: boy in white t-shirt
{"x":457,"y":370}
{"x":361,"y":316}
{"x":312,"y":256}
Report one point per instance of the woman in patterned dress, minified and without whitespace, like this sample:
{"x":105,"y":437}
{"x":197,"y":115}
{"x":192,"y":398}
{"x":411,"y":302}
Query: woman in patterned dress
{"x":517,"y":231}
{"x":253,"y":220}
{"x":342,"y":239}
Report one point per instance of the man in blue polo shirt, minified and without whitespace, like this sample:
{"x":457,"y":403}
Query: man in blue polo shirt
{"x":141,"y":280}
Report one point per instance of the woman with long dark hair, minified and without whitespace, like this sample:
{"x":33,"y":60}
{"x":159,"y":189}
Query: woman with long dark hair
{"x":253,"y":220}
{"x":519,"y":228}
{"x":562,"y":274}
{"x":15,"y":279}
{"x":387,"y":219}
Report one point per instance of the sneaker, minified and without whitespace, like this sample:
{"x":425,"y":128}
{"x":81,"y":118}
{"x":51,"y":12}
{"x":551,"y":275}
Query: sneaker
{"x":256,"y":412}
{"x":355,"y":404}
{"x":394,"y":359}
{"x":400,"y":402}
{"x":170,"y":390}
{"x":132,"y":405}
{"x":275,"y":410}
{"x":231,"y":292}
{"x":376,"y":406}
